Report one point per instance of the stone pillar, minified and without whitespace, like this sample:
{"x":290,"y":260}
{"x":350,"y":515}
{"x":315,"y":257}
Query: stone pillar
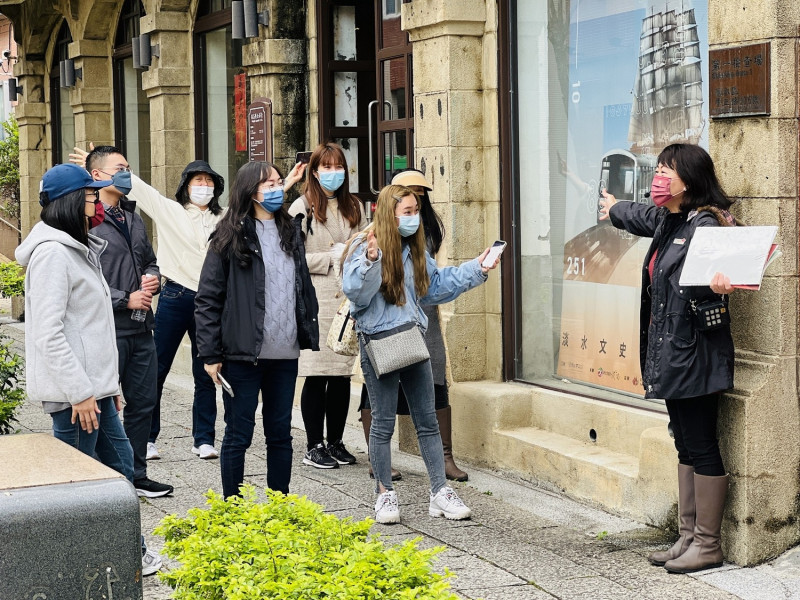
{"x":760,"y":420}
{"x":31,"y":114}
{"x":276,"y":69}
{"x":168,"y":84}
{"x":91,"y":97}
{"x":456,"y":145}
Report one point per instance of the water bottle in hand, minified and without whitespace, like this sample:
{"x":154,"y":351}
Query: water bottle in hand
{"x":139,"y":314}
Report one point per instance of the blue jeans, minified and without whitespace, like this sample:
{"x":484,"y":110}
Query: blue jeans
{"x":137,"y":377}
{"x":174,"y":319}
{"x":275,"y":379}
{"x":108,"y":443}
{"x":417,"y":383}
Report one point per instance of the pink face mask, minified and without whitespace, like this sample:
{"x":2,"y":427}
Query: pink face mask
{"x":659,"y":190}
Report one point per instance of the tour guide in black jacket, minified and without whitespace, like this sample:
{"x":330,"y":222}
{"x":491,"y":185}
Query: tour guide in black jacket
{"x":128,"y":256}
{"x":255,"y":309}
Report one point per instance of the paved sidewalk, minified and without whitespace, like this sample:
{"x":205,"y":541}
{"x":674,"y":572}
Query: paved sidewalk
{"x":524,"y":541}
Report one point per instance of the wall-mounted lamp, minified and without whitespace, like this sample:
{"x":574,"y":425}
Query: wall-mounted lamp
{"x":245,"y":19}
{"x":69,"y":73}
{"x":13,"y":89}
{"x":143,"y":52}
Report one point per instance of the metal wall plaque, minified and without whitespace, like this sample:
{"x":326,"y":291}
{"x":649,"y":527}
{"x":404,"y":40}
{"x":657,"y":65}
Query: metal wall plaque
{"x":739,"y":81}
{"x":259,"y":117}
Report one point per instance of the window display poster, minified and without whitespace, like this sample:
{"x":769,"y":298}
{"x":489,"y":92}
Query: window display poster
{"x":638,"y":82}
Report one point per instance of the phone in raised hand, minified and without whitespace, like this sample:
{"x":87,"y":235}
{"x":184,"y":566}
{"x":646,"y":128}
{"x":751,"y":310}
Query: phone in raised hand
{"x":225,"y":385}
{"x":494,"y":253}
{"x":303,"y":157}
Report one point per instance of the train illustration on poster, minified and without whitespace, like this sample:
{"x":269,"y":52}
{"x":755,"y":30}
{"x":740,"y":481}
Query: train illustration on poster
{"x":636,"y":89}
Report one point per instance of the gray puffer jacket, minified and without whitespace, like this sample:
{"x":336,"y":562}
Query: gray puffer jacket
{"x":71,"y":350}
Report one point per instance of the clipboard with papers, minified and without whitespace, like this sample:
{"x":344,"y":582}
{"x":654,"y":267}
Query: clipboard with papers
{"x":741,"y":253}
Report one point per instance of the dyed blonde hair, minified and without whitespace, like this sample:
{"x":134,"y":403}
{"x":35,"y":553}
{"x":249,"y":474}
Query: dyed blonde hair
{"x":384,"y":226}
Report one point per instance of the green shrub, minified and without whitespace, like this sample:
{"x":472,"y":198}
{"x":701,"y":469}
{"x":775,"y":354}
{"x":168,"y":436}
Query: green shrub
{"x":9,"y":168}
{"x":12,"y":391}
{"x":12,"y":280}
{"x":288,"y":548}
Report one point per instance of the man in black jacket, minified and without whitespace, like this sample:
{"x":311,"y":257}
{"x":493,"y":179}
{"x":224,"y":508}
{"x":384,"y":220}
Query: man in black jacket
{"x":129,"y":266}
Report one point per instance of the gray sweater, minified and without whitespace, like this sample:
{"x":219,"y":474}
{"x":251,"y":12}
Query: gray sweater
{"x":71,"y":350}
{"x":280,"y":297}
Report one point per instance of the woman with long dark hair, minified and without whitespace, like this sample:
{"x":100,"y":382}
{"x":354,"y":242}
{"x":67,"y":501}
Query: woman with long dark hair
{"x":332,"y":216}
{"x":71,"y":358}
{"x":388,"y":276}
{"x":255,"y":311}
{"x":684,"y":363}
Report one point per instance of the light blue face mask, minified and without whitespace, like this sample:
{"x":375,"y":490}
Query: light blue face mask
{"x":408,"y":225}
{"x":331,"y":180}
{"x":122,"y":181}
{"x":272,"y":200}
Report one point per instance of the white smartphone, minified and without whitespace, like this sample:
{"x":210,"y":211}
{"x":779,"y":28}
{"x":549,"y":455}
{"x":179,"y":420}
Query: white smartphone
{"x":494,"y":253}
{"x":225,"y":385}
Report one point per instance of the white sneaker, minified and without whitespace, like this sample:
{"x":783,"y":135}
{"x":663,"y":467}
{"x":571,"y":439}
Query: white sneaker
{"x":446,"y":503}
{"x":387,"y":509}
{"x":152,"y":451}
{"x":151,"y":563}
{"x":205,"y":451}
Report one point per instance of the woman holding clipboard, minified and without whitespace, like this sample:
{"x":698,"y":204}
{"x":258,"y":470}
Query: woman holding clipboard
{"x":683,"y":360}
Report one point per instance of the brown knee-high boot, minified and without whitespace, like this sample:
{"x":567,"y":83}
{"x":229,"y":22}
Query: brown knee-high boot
{"x":705,"y":552}
{"x":366,"y":423}
{"x":443,"y":415}
{"x":685,"y":519}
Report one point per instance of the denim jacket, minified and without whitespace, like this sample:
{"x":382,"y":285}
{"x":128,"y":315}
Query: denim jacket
{"x":362,"y":278}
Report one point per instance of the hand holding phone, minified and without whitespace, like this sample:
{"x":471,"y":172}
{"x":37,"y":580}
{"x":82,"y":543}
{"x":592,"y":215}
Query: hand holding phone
{"x":494,"y":253}
{"x":303,"y":157}
{"x":225,"y":385}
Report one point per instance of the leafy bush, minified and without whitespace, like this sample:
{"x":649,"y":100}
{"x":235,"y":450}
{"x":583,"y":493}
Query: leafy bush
{"x":12,"y":391}
{"x":288,"y":548}
{"x":9,"y":168}
{"x":12,"y":280}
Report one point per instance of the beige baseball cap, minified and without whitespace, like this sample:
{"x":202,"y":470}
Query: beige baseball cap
{"x":408,"y":178}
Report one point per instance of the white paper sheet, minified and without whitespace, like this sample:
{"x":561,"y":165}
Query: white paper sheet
{"x":739,"y":252}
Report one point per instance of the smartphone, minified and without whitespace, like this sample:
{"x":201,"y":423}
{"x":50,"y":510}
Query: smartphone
{"x":225,"y":385}
{"x":494,"y":253}
{"x":303,"y":157}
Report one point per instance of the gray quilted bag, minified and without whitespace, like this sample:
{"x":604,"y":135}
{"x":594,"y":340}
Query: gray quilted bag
{"x":396,"y":349}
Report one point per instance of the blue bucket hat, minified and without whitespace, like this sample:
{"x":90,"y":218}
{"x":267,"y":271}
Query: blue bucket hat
{"x":65,"y":179}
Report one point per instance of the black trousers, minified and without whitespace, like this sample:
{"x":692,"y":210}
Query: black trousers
{"x":694,"y":425}
{"x":324,"y":398}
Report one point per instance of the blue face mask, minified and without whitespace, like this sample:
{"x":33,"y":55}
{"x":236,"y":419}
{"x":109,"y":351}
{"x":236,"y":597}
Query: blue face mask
{"x":408,"y":225}
{"x":331,"y":180}
{"x":272,"y":200}
{"x":122,"y":181}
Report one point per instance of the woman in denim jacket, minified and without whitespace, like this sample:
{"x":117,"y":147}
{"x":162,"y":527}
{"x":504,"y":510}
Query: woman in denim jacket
{"x":388,"y":275}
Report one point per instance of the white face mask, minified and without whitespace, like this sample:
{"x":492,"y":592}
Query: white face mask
{"x":201,"y":194}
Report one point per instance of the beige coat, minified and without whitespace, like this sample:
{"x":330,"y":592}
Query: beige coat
{"x":319,"y":242}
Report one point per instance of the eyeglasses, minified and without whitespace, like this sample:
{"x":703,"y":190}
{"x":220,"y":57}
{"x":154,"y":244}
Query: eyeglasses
{"x":118,"y":170}
{"x":268,"y":186}
{"x":93,"y":192}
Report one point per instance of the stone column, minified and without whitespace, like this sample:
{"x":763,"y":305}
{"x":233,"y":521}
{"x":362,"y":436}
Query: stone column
{"x":456,"y":145}
{"x":168,"y":84}
{"x":91,"y":98}
{"x":31,"y":114}
{"x":276,"y":69}
{"x":757,"y":163}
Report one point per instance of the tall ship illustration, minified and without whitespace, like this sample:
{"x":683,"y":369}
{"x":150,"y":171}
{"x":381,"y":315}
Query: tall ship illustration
{"x":668,"y":90}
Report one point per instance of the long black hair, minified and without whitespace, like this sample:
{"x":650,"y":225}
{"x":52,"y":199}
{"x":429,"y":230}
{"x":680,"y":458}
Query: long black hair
{"x":69,"y":215}
{"x":431,"y":221}
{"x":230,"y":237}
{"x":696,"y":169}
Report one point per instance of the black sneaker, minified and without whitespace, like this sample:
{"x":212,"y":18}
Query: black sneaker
{"x":151,"y":489}
{"x":340,"y":454}
{"x":318,"y":457}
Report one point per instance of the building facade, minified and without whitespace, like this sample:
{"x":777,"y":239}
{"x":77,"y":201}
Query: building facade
{"x":518,"y":113}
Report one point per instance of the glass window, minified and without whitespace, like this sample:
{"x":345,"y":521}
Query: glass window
{"x":62,"y":119}
{"x":602,"y":88}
